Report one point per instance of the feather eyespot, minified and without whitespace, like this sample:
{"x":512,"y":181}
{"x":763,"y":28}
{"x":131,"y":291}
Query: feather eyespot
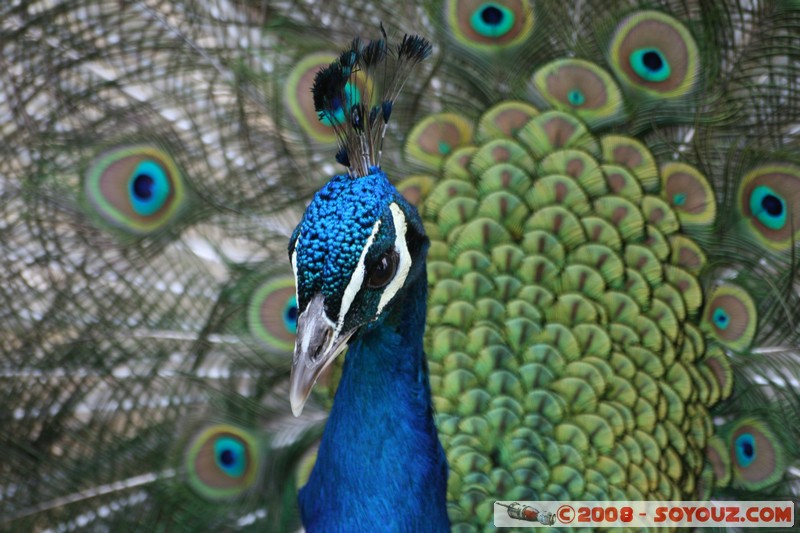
{"x":766,"y":198}
{"x":384,"y":270}
{"x":580,"y":87}
{"x":654,"y":53}
{"x":223,"y":461}
{"x":138,"y":189}
{"x":731,"y":317}
{"x":687,"y":190}
{"x":489,"y":26}
{"x":757,"y":454}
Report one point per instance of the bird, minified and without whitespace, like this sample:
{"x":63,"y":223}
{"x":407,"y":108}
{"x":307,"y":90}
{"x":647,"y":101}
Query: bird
{"x":559,"y":265}
{"x":358,"y":257}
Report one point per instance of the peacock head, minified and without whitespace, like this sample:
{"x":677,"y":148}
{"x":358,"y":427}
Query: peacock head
{"x":359,"y":244}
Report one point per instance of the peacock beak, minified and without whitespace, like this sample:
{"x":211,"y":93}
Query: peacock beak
{"x":316,"y":347}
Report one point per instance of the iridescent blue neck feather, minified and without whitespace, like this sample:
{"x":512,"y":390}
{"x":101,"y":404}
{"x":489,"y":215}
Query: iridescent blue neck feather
{"x":380,"y":464}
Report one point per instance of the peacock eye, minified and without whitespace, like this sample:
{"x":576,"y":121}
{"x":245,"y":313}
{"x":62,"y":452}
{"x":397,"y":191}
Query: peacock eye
{"x":384,"y":270}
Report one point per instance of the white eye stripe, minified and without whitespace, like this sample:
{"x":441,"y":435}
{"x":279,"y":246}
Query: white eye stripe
{"x":404,"y":261}
{"x":356,"y":280}
{"x":294,"y":270}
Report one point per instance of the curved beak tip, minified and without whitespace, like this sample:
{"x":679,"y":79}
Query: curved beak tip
{"x":297,"y":408}
{"x":297,"y":398}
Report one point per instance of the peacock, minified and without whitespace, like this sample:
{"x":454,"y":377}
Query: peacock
{"x":249,"y":284}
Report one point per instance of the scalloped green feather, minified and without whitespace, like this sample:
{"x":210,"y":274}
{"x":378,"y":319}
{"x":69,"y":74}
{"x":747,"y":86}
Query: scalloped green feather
{"x":623,"y":214}
{"x":415,"y":189}
{"x":557,"y":190}
{"x":720,"y":365}
{"x":687,"y":254}
{"x":719,"y":458}
{"x":435,"y":137}
{"x":499,"y":151}
{"x":622,"y":183}
{"x":633,"y":155}
{"x":456,"y":165}
{"x":555,"y":130}
{"x":504,"y":120}
{"x":577,"y":164}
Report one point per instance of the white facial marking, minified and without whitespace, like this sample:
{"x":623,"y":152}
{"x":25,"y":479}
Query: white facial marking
{"x":356,"y":280}
{"x":294,"y":270}
{"x":404,"y":263}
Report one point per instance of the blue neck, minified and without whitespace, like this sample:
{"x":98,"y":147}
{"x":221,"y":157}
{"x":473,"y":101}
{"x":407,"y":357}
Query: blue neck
{"x":380,"y":465}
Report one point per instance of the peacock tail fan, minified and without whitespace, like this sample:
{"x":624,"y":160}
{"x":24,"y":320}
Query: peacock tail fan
{"x":608,"y":265}
{"x":612,"y":194}
{"x":147,"y":196}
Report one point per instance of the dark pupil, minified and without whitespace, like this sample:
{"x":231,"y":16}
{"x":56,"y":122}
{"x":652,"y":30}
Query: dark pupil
{"x":747,"y":448}
{"x":652,"y":61}
{"x":291,"y":313}
{"x":227,"y":457}
{"x":384,"y":270}
{"x":492,"y":15}
{"x":336,"y":102}
{"x":772,"y":205}
{"x":143,"y":186}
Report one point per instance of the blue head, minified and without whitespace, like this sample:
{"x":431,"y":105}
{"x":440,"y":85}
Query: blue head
{"x":359,"y":244}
